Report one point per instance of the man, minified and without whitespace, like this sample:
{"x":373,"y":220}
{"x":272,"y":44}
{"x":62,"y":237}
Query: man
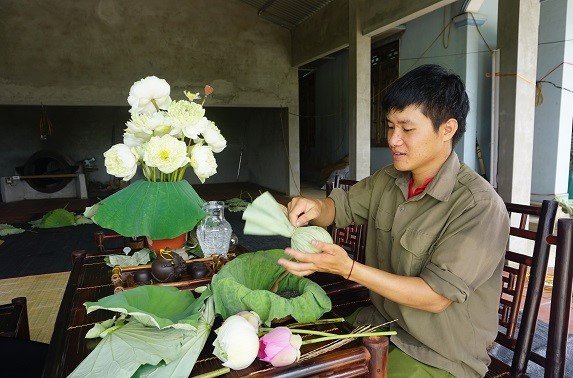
{"x":437,"y":232}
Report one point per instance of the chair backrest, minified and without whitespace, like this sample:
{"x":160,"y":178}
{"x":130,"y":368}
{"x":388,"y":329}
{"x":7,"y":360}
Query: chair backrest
{"x":560,"y":299}
{"x":14,"y":319}
{"x":352,"y":237}
{"x":338,"y":182}
{"x":518,"y":266}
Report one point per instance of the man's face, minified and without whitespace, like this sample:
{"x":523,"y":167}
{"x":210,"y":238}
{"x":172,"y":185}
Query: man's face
{"x":414,"y":143}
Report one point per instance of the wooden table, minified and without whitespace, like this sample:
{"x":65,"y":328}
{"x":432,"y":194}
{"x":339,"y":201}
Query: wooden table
{"x":90,"y":280}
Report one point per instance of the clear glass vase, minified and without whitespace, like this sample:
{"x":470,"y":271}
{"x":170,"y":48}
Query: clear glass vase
{"x":214,"y":232}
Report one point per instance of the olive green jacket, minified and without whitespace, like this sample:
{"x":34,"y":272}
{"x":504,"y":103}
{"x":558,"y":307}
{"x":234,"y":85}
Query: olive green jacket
{"x":453,"y":235}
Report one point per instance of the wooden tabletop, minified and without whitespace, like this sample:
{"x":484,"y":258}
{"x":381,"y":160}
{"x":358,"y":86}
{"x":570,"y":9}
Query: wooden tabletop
{"x":90,"y":280}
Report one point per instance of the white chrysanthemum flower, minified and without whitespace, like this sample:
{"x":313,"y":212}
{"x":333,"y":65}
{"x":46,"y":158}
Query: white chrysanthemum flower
{"x":189,"y":117}
{"x":149,"y":94}
{"x":203,"y":161}
{"x":161,"y":124}
{"x":212,"y":136}
{"x":165,"y":153}
{"x":120,"y":161}
{"x":133,"y":140}
{"x":139,"y":124}
{"x":236,"y":355}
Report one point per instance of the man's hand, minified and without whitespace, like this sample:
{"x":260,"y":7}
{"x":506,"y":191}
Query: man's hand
{"x":409,"y":291}
{"x":331,"y":259}
{"x":303,"y":210}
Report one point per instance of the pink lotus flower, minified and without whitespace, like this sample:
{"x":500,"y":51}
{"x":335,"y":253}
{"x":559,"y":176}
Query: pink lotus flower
{"x":280,"y":347}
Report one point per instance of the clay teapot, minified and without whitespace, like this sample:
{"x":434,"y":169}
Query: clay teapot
{"x":167,"y":266}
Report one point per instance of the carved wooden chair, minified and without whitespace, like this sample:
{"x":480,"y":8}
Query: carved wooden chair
{"x":353,"y":237}
{"x":20,"y":357}
{"x":113,"y":243}
{"x":560,"y":299}
{"x":519,"y":338}
{"x":14,"y":319}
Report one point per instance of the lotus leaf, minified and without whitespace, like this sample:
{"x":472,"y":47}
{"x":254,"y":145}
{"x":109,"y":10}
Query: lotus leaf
{"x":265,"y":217}
{"x":190,"y":350}
{"x":138,"y":258}
{"x":160,"y":210}
{"x":120,"y":353}
{"x":158,"y":306}
{"x":57,"y":218}
{"x":6,"y":229}
{"x":244,"y":282}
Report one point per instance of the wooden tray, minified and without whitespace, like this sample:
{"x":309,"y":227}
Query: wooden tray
{"x":123,"y":278}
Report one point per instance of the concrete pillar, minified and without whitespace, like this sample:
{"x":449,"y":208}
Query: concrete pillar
{"x":293,"y":158}
{"x":472,"y":76}
{"x":518,"y":26}
{"x":551,"y":151}
{"x":359,"y":66}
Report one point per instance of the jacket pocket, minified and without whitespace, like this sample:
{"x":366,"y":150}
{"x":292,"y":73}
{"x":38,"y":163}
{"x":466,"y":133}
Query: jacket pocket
{"x":417,"y":248}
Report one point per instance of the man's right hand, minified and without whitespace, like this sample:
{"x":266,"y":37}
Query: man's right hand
{"x":302,"y":210}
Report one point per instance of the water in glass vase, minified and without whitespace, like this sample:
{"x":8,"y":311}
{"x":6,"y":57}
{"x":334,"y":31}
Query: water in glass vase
{"x":214,"y":231}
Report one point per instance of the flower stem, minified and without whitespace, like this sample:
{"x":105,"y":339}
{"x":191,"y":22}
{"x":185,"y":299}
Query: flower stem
{"x":347,"y":336}
{"x":214,"y":373}
{"x":318,"y":322}
{"x":325,"y":336}
{"x":155,"y":104}
{"x":304,"y":331}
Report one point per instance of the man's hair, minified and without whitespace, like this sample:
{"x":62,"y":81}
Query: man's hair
{"x":439,"y":94}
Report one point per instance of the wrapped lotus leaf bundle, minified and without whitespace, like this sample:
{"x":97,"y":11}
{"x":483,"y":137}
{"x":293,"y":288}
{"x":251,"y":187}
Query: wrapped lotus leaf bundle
{"x":265,"y":216}
{"x":303,"y":236}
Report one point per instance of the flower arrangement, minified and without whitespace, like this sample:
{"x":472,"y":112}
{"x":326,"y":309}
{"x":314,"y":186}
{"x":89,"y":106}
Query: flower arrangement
{"x":164,"y":137}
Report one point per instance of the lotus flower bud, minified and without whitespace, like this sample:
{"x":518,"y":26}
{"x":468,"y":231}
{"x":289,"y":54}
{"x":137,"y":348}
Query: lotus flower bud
{"x":236,"y":355}
{"x":303,"y":236}
{"x":280,"y":347}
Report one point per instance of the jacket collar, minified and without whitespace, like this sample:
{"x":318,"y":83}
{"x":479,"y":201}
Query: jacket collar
{"x":442,"y":185}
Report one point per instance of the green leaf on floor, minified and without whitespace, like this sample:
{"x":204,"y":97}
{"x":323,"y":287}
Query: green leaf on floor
{"x":60,"y":218}
{"x":6,"y":229}
{"x":236,"y":204}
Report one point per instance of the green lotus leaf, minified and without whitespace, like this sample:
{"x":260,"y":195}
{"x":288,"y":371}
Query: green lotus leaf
{"x":120,"y":353}
{"x":57,"y":218}
{"x":190,"y":350}
{"x":157,"y":306}
{"x":6,"y":229}
{"x":160,"y":210}
{"x":137,"y":258}
{"x":244,"y":283}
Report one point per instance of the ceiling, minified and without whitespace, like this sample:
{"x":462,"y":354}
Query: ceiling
{"x":287,"y":13}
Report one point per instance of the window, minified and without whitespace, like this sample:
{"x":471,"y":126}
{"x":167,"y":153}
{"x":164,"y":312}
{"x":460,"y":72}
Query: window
{"x":385,"y":69}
